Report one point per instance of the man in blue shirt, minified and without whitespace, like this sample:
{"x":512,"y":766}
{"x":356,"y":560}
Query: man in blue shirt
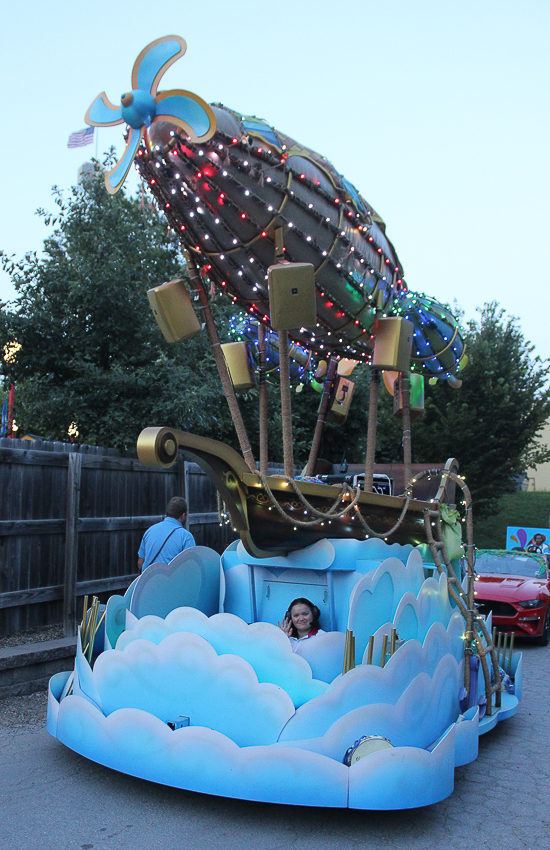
{"x":166,"y":539}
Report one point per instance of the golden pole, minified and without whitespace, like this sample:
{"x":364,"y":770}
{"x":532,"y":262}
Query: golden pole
{"x":384,"y":651}
{"x":370,"y":649}
{"x":93,"y":620}
{"x":84,"y":610}
{"x":407,"y":451}
{"x":286,"y":403}
{"x":371,"y":432}
{"x":321,"y":417}
{"x":349,"y":652}
{"x":262,"y":399}
{"x":511,"y":652}
{"x":84,"y":626}
{"x":221,"y":365}
{"x":504,"y":649}
{"x":346,"y":654}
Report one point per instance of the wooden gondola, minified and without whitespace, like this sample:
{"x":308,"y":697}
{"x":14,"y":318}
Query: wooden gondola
{"x":267,"y":510}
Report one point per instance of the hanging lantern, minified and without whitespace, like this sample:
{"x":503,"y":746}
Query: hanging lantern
{"x":393,"y":344}
{"x":416,"y":393}
{"x":172,"y":308}
{"x":240,"y":365}
{"x":292,"y":296}
{"x":341,"y":400}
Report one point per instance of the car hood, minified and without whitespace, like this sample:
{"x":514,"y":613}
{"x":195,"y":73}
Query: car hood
{"x":510,"y":587}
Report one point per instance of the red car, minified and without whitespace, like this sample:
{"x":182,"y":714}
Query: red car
{"x":515,"y":586}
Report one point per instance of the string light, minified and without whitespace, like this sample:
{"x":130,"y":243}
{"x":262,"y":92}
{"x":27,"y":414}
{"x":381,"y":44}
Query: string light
{"x":349,"y":252}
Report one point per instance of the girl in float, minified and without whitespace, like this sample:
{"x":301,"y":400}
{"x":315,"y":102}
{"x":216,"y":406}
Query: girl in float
{"x":301,"y":621}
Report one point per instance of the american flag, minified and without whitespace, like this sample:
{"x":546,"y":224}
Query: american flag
{"x":83,"y":137}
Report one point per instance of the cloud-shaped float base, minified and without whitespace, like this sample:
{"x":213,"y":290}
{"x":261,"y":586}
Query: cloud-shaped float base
{"x":268,"y":724}
{"x":200,"y":759}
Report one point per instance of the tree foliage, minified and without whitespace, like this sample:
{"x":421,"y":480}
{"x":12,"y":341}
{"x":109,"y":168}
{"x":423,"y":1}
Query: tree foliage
{"x":491,"y":423}
{"x":91,"y":353}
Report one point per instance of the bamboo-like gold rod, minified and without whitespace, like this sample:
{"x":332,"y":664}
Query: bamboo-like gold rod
{"x":370,"y":649}
{"x":97,"y":628}
{"x":392,"y":641}
{"x":499,"y":639}
{"x":384,"y":651}
{"x":345,"y":667}
{"x":93,"y":622}
{"x":352,"y":660}
{"x":93,"y":626}
{"x":504,"y":650}
{"x":84,"y":626}
{"x":84,"y":612}
{"x":88,"y":626}
{"x":494,"y":635}
{"x":511,"y":652}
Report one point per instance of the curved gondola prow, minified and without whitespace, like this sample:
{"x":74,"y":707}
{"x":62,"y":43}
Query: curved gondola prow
{"x":223,"y":465}
{"x":269,"y":512}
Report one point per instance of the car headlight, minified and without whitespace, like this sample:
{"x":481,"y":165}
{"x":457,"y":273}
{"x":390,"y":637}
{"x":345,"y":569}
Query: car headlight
{"x":531,"y":603}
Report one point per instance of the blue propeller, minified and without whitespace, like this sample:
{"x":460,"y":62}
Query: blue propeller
{"x":142,"y":106}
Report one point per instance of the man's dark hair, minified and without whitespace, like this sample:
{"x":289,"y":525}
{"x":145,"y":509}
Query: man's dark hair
{"x":176,"y":507}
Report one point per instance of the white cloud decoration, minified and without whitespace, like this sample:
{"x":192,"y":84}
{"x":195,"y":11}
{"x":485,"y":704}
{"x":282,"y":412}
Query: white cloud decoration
{"x":262,"y":645}
{"x":272,"y":725}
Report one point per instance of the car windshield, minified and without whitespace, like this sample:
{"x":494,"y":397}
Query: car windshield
{"x":510,"y":563}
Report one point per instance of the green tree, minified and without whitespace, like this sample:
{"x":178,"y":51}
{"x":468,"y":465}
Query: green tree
{"x":490,"y":424}
{"x":90,"y":352}
{"x":91,"y":356}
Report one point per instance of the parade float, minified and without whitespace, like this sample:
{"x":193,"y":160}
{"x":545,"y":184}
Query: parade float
{"x":187,"y":680}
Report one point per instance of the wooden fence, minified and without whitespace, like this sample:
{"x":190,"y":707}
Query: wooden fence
{"x":71,"y":521}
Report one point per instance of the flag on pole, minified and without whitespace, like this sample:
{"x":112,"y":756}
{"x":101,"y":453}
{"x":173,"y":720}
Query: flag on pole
{"x":81,"y":138}
{"x":11,"y":404}
{"x":4,"y":425}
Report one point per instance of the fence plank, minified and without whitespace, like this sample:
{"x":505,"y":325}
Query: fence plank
{"x":26,"y":597}
{"x":34,"y":457}
{"x":17,"y":527}
{"x":41,"y":457}
{"x":24,"y":527}
{"x":49,"y":594}
{"x":119,"y":500}
{"x":200,"y":518}
{"x":117,"y":523}
{"x":71,"y":543}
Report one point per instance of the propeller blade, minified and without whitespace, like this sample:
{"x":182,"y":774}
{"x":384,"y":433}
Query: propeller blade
{"x":188,"y":111}
{"x":116,"y":176}
{"x":103,"y":113}
{"x":154,"y":60}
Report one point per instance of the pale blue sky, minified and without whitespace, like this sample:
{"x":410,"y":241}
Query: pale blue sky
{"x":437,"y":110}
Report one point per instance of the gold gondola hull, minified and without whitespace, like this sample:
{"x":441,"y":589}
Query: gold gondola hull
{"x":255,"y":514}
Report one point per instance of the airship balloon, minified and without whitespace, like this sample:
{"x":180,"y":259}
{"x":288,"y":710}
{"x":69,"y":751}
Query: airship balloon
{"x":231,"y":185}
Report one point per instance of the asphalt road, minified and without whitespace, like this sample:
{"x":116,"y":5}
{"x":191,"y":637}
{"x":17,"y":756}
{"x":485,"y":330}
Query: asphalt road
{"x":53,"y":799}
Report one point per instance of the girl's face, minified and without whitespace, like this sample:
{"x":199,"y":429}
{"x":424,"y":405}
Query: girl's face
{"x":302,"y":618}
